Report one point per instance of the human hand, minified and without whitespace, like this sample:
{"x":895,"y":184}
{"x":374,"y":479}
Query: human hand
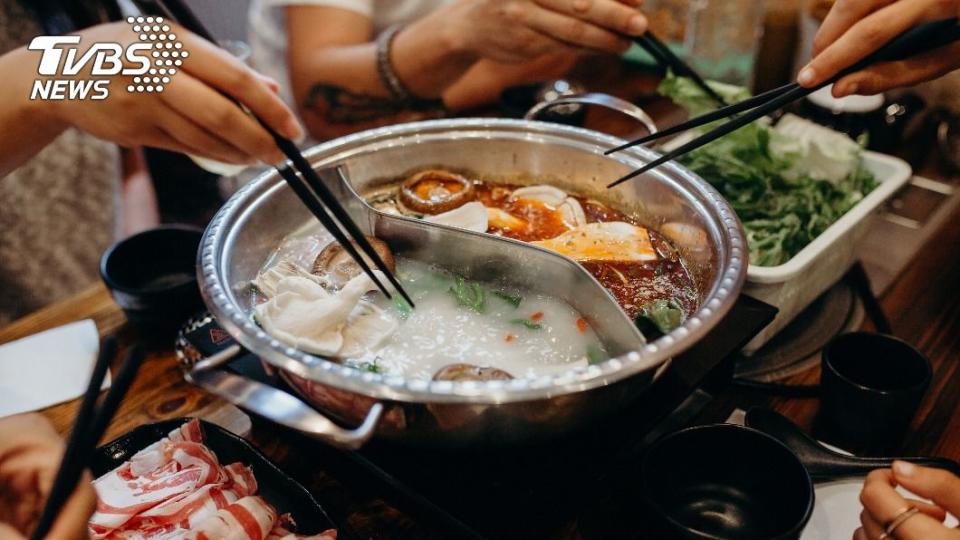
{"x":30,"y":454}
{"x":856,"y":28}
{"x":190,"y":115}
{"x":519,"y":30}
{"x":882,"y":503}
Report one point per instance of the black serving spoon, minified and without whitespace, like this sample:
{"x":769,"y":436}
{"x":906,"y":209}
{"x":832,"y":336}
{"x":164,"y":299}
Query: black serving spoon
{"x":823,"y":463}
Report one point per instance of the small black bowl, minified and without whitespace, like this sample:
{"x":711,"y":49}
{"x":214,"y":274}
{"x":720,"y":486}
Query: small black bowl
{"x":152,"y":275}
{"x":871,"y":386}
{"x":724,"y":481}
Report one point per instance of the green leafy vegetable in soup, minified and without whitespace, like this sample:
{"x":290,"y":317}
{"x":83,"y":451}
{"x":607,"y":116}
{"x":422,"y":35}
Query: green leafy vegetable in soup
{"x":530,"y":325}
{"x":513,"y":300}
{"x":596,"y":355}
{"x":469,"y":294}
{"x":662,"y":315}
{"x":787,"y":183}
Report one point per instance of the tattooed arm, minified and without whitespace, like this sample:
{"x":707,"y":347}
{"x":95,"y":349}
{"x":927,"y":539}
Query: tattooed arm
{"x":456,"y":53}
{"x":334,"y":77}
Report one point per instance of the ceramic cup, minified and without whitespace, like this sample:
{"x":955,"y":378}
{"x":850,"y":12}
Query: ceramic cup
{"x":871,"y":386}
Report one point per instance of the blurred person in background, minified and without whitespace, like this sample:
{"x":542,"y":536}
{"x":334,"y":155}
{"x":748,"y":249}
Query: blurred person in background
{"x":67,"y":191}
{"x":355,"y":64}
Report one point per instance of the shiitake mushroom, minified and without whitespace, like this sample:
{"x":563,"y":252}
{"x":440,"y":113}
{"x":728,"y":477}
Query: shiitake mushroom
{"x":335,"y":263}
{"x":435,"y":191}
{"x":470,"y":372}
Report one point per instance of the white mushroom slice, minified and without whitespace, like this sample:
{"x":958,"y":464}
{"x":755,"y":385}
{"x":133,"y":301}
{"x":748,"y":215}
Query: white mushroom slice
{"x":308,"y":317}
{"x":471,"y":216}
{"x":541,"y":192}
{"x":503,"y":220}
{"x":613,"y":241}
{"x":569,"y":208}
{"x":572,"y":213}
{"x":686,"y":235}
{"x":366,"y":329}
{"x":268,"y":279}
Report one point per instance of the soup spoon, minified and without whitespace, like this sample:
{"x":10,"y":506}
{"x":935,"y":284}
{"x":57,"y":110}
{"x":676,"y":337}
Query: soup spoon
{"x":823,"y":463}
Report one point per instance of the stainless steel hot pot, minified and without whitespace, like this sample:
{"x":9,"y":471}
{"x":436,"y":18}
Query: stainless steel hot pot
{"x":252,"y":223}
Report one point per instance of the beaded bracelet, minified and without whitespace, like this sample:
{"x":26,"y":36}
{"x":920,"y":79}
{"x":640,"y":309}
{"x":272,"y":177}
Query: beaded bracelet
{"x":388,"y":76}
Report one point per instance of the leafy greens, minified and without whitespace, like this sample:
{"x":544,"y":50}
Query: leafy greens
{"x":787,"y":183}
{"x":469,"y":294}
{"x":659,"y":317}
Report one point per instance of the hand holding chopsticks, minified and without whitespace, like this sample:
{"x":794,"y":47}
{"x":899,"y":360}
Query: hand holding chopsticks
{"x":920,"y":39}
{"x":88,"y":428}
{"x":855,"y":28}
{"x":308,"y":185}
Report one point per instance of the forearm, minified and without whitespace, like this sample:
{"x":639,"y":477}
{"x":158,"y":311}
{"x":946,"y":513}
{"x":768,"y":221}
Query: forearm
{"x":486,"y":79}
{"x":26,"y":126}
{"x":336,"y":82}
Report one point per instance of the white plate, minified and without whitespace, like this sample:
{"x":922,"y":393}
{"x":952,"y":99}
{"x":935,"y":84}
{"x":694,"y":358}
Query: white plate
{"x":836,"y":513}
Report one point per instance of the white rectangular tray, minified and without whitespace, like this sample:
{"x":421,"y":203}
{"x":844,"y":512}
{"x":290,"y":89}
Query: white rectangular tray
{"x":793,"y":285}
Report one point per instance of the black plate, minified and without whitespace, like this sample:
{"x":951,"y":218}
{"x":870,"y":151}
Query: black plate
{"x":280,"y":490}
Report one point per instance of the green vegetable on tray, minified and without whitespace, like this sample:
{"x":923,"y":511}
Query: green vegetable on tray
{"x":787,"y":183}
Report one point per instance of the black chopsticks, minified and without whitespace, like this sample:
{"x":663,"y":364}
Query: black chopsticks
{"x":665,"y":57}
{"x":88,"y":427}
{"x":307,"y":185}
{"x":922,"y":38}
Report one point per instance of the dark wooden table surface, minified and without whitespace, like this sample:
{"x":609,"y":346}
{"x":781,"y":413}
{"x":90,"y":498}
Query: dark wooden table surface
{"x":923,"y":305}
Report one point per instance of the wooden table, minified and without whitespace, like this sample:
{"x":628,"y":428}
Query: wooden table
{"x":923,"y":305}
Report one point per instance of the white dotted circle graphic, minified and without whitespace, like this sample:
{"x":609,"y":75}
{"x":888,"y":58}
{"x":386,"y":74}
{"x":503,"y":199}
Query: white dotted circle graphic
{"x":165,"y":50}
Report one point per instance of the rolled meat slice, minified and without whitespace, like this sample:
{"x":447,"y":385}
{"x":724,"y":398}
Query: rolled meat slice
{"x":176,"y":489}
{"x":250,"y":518}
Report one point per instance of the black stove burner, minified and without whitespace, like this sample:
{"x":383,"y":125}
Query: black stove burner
{"x":530,"y":491}
{"x":797,"y":347}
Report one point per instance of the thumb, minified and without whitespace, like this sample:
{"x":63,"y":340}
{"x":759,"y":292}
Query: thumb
{"x":938,"y":485}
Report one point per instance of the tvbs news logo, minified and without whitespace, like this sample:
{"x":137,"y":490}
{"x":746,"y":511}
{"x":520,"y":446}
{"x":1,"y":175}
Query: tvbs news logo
{"x":151,"y":62}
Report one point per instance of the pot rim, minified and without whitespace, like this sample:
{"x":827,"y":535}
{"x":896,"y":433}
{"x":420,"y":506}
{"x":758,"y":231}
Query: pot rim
{"x":717,"y":302}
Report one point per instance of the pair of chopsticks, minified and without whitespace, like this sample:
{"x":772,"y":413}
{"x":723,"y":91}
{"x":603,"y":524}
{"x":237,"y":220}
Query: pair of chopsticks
{"x":88,"y":428}
{"x":665,"y":57}
{"x":308,"y":186}
{"x":919,"y":39}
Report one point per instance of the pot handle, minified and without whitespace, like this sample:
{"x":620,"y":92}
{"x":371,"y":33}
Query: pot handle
{"x":601,"y":100}
{"x":277,"y":405}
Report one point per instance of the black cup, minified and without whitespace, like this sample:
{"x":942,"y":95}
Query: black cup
{"x":725,"y":481}
{"x":871,"y":385}
{"x":152,"y":275}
